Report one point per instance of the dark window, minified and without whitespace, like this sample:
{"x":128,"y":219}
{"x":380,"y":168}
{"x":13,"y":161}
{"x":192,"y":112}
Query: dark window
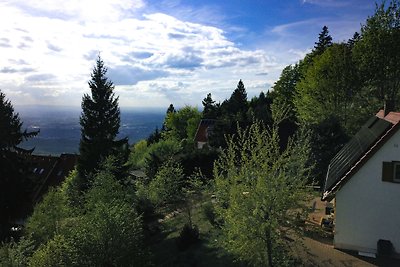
{"x":396,"y":171}
{"x":391,"y":171}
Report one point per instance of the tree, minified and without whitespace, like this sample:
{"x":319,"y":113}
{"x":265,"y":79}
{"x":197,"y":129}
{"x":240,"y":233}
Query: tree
{"x":330,"y":87}
{"x":15,"y":181}
{"x":100,"y":121}
{"x":352,"y":41}
{"x":166,"y":188}
{"x":237,"y":103}
{"x":104,"y":231}
{"x":261,"y":193}
{"x":324,"y":41}
{"x":284,"y":89}
{"x":209,"y":108}
{"x":377,"y":53}
{"x":182,"y":124}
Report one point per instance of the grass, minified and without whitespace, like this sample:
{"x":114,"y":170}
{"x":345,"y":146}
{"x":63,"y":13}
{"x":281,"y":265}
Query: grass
{"x":206,"y":252}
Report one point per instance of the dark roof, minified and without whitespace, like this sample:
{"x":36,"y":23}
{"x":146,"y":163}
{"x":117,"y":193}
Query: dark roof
{"x":358,"y":150}
{"x":50,"y":171}
{"x":204,"y":129}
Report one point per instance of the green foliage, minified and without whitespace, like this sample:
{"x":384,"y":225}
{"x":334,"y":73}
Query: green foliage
{"x":209,"y":213}
{"x":159,"y":152}
{"x":260,"y":191}
{"x":324,"y":41}
{"x":330,"y":87}
{"x":58,"y":251}
{"x":210,"y":109}
{"x":138,"y":155}
{"x":15,"y":182}
{"x":237,"y":103}
{"x":11,"y":133}
{"x":188,"y":236}
{"x":15,"y":254}
{"x":167,"y":184}
{"x":182,"y":124}
{"x":110,"y":232}
{"x":100,"y":121}
{"x":103,"y":230}
{"x":48,"y":216}
{"x":285,"y":88}
{"x":191,"y":190}
{"x":328,"y":138}
{"x":377,"y":53}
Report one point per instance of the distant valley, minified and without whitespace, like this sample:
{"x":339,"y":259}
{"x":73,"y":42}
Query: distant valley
{"x":60,"y":128}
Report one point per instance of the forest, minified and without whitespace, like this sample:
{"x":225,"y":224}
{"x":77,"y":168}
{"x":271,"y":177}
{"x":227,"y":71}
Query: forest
{"x":250,"y":183}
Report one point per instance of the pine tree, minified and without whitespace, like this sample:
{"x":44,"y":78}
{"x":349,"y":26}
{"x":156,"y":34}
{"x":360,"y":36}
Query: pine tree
{"x":209,"y":110}
{"x":324,"y":41}
{"x":100,"y":121}
{"x":15,"y":182}
{"x":238,"y":100}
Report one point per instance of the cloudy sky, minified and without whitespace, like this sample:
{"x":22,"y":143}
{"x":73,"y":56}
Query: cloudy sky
{"x":160,"y":52}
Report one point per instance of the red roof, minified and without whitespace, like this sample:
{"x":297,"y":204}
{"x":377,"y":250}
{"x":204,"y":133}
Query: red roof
{"x":203,"y":131}
{"x":392,"y":117}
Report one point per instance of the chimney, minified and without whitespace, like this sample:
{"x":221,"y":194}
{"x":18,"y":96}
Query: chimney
{"x":388,"y":107}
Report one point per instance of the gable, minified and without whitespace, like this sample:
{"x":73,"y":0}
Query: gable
{"x":364,"y":144}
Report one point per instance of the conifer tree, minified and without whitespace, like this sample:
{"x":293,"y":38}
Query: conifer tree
{"x":324,"y":41}
{"x":15,"y":183}
{"x":209,"y":110}
{"x":238,"y":100}
{"x":100,"y":121}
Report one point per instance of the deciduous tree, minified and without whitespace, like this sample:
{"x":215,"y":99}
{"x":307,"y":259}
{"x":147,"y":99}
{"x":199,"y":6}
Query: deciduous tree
{"x":261,"y":193}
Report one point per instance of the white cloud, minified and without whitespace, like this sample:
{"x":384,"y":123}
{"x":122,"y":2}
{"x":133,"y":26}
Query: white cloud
{"x":48,"y":50}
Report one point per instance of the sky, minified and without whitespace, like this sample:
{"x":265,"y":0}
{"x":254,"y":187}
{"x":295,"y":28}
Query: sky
{"x":160,"y":52}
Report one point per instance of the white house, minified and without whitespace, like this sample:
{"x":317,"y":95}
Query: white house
{"x":364,"y":180}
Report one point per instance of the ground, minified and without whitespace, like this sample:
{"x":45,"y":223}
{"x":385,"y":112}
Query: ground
{"x":317,"y":250}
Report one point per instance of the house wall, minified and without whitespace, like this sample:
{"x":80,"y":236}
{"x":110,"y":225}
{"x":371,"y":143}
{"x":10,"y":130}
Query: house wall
{"x":368,"y":209}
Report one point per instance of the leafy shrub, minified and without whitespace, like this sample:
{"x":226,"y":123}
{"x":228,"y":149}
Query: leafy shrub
{"x":16,"y":253}
{"x":144,"y":206}
{"x":209,"y":213}
{"x":167,"y":185}
{"x":188,"y":236}
{"x":57,"y":252}
{"x":47,"y":216}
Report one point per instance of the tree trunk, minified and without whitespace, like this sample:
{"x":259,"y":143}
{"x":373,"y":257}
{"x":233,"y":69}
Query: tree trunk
{"x":269,"y":248}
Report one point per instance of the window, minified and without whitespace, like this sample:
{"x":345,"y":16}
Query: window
{"x":41,"y":171}
{"x":396,"y":172}
{"x":391,"y":172}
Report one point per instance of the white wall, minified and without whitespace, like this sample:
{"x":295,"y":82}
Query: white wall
{"x":368,"y":209}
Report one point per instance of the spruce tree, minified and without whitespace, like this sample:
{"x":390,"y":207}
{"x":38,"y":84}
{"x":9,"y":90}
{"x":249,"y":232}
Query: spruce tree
{"x":238,"y":100}
{"x":100,"y":121}
{"x":15,"y":181}
{"x":324,"y":41}
{"x":209,"y":110}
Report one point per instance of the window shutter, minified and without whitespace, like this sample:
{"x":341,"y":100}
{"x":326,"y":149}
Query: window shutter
{"x":387,"y":172}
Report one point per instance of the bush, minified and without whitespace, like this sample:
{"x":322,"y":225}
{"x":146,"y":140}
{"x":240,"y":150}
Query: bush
{"x":16,"y":254}
{"x":188,"y":236}
{"x":57,"y":252}
{"x":166,"y":188}
{"x":209,"y":213}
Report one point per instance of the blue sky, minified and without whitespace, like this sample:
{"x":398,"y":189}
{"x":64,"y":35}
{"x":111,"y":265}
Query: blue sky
{"x":160,"y":52}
